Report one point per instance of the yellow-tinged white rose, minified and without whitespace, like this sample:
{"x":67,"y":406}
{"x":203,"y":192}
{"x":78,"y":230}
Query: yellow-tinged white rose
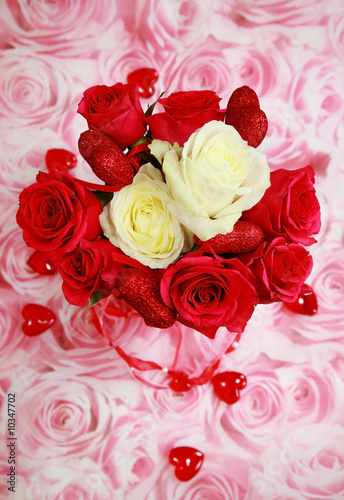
{"x":216,"y":177}
{"x":139,"y":222}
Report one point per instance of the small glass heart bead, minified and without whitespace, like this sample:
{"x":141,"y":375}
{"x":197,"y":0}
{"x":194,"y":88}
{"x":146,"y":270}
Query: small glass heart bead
{"x":145,"y":78}
{"x":306,"y":303}
{"x":60,"y":160}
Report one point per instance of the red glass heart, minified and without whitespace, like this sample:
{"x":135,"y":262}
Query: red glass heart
{"x":37,"y":319}
{"x":227,"y":386}
{"x":306,"y":303}
{"x":187,"y":462}
{"x":60,"y":160}
{"x":180,"y":381}
{"x":145,"y":78}
{"x":42,"y":264}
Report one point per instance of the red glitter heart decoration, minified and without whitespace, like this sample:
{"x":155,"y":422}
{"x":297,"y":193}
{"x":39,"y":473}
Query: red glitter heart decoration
{"x":227,"y":386}
{"x":142,"y":292}
{"x":187,"y":462}
{"x":245,"y":237}
{"x":245,"y":115}
{"x":250,"y":122}
{"x":306,"y":303}
{"x":37,"y":319}
{"x":145,"y":78}
{"x":105,"y":158}
{"x":60,"y":160}
{"x":42,"y":264}
{"x":242,"y":96}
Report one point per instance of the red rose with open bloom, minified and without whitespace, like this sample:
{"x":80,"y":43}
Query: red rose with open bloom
{"x":289,"y":207}
{"x":185,"y":112}
{"x":209,"y":291}
{"x":280,"y":270}
{"x":116,"y":111}
{"x":81,"y":270}
{"x":56,"y":212}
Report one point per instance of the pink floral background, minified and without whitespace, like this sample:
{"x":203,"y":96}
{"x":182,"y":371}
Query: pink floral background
{"x":87,"y":426}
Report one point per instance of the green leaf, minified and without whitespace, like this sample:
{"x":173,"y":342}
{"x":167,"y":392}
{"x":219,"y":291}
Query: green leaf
{"x":96,"y":297}
{"x":103,"y":197}
{"x":150,"y":108}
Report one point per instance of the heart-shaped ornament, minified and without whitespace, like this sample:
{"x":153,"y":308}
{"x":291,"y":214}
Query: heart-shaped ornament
{"x":187,"y":462}
{"x":245,"y":237}
{"x":251,"y":123}
{"x":227,"y":386}
{"x":145,"y":78}
{"x":180,"y":381}
{"x":42,"y":264}
{"x":142,"y":292}
{"x":60,"y":160}
{"x":306,"y":303}
{"x":242,"y":96}
{"x":105,"y":158}
{"x":37,"y":319}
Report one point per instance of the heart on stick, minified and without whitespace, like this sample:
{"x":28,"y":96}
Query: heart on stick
{"x":187,"y":462}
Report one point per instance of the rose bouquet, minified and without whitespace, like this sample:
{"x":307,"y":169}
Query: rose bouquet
{"x":189,"y":224}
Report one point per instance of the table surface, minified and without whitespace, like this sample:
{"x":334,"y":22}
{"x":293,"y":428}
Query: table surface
{"x":86,"y":425}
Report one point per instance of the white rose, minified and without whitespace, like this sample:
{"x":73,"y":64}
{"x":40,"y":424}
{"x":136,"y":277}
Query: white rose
{"x":217,"y":177}
{"x":139,"y":222}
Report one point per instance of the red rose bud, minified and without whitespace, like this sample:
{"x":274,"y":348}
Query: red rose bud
{"x":245,"y":115}
{"x":106,"y":159}
{"x":81,"y":270}
{"x":142,"y":292}
{"x":245,"y":237}
{"x":116,"y":111}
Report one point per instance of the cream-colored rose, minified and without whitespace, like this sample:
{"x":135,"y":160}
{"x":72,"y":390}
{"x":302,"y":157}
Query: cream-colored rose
{"x":139,"y":222}
{"x":216,"y":177}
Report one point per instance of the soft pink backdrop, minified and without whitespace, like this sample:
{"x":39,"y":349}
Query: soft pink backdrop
{"x":86,"y":427}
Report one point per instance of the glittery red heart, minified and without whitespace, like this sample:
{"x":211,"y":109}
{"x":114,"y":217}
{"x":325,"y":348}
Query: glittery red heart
{"x":227,"y":386}
{"x":142,"y":292}
{"x":251,"y":123}
{"x":145,"y":78}
{"x":187,"y":462}
{"x":242,"y":96}
{"x":306,"y":303}
{"x":42,"y":264}
{"x":105,"y":158}
{"x":37,"y":319}
{"x":60,"y":160}
{"x":245,"y":237}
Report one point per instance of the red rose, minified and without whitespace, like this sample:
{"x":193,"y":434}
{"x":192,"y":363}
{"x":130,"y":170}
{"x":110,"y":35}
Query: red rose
{"x":81,"y":270}
{"x":289,"y":207}
{"x":116,"y":111}
{"x":56,"y":212}
{"x":185,"y":112}
{"x":280,"y":270}
{"x":209,"y":291}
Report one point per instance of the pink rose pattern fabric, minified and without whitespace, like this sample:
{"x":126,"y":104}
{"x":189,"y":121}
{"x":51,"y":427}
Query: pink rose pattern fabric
{"x":90,"y":427}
